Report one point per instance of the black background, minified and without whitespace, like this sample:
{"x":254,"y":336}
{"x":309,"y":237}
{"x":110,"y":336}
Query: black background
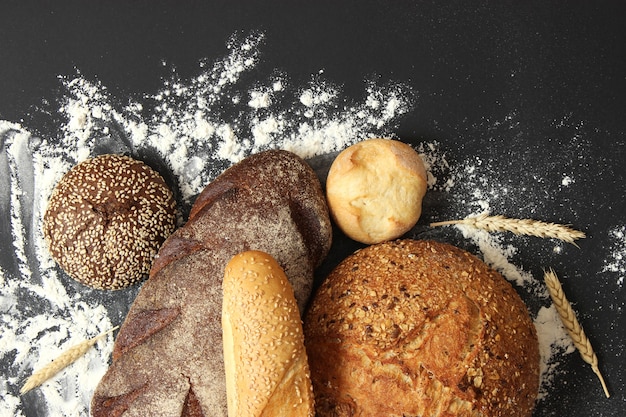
{"x":470,"y":62}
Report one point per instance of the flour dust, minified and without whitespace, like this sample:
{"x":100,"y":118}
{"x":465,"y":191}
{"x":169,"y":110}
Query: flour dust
{"x":192,"y":129}
{"x":195,"y":129}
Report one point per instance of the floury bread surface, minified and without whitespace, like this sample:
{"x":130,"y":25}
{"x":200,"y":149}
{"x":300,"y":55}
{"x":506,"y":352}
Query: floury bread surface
{"x":168,"y":356}
{"x":420,"y":328}
{"x":375,"y":189}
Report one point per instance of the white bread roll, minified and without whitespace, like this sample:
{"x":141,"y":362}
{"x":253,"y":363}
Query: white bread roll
{"x":375,"y":189}
{"x":267,"y":372}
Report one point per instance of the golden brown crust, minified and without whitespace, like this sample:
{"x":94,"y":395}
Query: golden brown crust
{"x":267,"y":373}
{"x":420,"y":328}
{"x":258,"y":204}
{"x":375,"y":189}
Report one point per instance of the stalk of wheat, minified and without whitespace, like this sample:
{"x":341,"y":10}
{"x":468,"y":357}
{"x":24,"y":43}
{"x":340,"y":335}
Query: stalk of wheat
{"x":571,"y":324}
{"x":65,"y":359}
{"x":528,"y":227}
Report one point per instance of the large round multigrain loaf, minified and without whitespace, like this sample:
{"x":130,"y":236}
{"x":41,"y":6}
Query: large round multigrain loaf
{"x":168,"y":356}
{"x":420,"y":328}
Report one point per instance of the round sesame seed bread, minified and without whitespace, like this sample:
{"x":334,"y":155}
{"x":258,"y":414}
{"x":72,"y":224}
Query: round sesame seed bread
{"x":106,"y":219}
{"x":267,"y":373}
{"x":168,"y":355}
{"x":420,"y":328}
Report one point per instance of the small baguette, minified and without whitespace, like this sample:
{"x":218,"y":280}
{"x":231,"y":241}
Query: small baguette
{"x":267,"y":371}
{"x":168,"y":358}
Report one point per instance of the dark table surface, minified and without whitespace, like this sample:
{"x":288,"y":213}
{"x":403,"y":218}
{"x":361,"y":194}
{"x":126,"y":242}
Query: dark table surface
{"x":535,"y":90}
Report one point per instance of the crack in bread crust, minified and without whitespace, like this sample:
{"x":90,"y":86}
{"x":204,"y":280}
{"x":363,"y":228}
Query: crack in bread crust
{"x":145,"y":323}
{"x":420,"y":328}
{"x":249,"y":207}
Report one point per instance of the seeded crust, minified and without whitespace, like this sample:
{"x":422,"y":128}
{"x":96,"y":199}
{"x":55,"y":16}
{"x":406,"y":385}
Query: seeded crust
{"x":168,"y":355}
{"x":106,"y":219}
{"x":267,"y":372}
{"x":419,"y":328}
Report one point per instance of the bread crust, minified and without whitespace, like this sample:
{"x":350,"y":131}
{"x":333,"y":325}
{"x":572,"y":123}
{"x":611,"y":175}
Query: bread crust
{"x":106,"y":220}
{"x":267,"y":372}
{"x":420,"y":328}
{"x":375,"y":189}
{"x":267,"y":202}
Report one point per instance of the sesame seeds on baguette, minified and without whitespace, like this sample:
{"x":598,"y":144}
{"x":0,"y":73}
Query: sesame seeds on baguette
{"x":170,"y":344}
{"x":267,"y":372}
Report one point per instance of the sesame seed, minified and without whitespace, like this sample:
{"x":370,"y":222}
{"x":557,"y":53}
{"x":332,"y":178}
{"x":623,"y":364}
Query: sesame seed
{"x":106,"y":219}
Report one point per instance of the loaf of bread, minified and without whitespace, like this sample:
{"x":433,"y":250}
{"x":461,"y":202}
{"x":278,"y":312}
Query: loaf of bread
{"x":106,"y":219}
{"x":267,"y":372}
{"x":168,"y":355}
{"x":420,"y":328}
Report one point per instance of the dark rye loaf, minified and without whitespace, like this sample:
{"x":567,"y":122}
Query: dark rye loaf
{"x":167,"y":358}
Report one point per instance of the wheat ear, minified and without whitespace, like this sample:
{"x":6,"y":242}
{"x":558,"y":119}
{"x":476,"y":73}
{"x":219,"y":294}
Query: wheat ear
{"x":66,"y":358}
{"x":528,"y":227}
{"x":571,"y":324}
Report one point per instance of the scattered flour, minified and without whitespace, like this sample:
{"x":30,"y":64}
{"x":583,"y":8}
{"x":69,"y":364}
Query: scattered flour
{"x":567,"y":181}
{"x":497,"y":255}
{"x":437,"y":167}
{"x":616,"y":262}
{"x":554,"y":342}
{"x":198,"y":122}
{"x":474,"y":188}
{"x":39,"y":318}
{"x":196,"y":128}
